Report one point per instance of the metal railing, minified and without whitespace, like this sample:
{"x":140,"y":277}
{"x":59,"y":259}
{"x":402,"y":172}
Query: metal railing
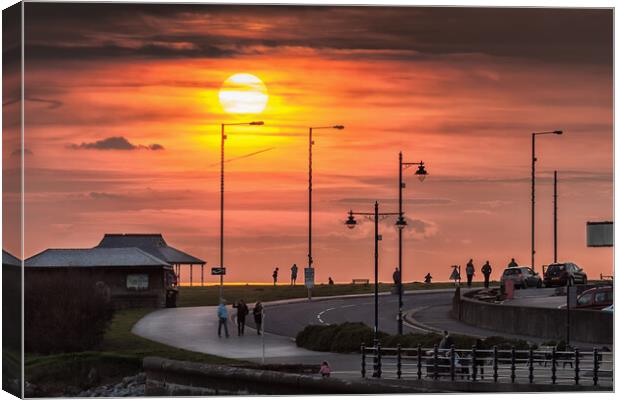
{"x":540,"y":366}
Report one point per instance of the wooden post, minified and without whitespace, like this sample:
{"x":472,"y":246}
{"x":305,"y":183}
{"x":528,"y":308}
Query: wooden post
{"x":191,"y":274}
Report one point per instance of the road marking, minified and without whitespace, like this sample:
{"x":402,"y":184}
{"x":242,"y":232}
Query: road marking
{"x":318,"y":316}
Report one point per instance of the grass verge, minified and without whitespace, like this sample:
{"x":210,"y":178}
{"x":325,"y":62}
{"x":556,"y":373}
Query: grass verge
{"x":195,"y":296}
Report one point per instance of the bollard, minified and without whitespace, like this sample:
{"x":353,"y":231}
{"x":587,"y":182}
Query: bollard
{"x":495,"y":363}
{"x":435,"y":363}
{"x":576,"y":366}
{"x":452,"y":362}
{"x":595,"y":369}
{"x":419,"y":361}
{"x":553,"y":361}
{"x":512,"y":364}
{"x":398,"y":361}
{"x":363,"y":361}
{"x":474,"y":364}
{"x":531,"y":364}
{"x":378,"y":359}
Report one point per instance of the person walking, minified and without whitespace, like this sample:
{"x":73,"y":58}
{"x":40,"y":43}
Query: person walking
{"x":242,"y":312}
{"x":396,"y":276}
{"x":222,"y":315}
{"x":469,"y":271}
{"x":428,"y":279}
{"x":275,"y":276}
{"x":486,"y":271}
{"x":293,"y":274}
{"x":446,"y":341}
{"x":330,"y":281}
{"x":512,"y":263}
{"x":258,"y":317}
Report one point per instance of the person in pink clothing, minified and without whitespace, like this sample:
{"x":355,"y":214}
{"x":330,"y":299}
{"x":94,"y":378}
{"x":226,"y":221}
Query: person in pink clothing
{"x":325,"y":370}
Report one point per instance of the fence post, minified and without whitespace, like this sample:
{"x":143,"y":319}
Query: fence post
{"x":553,"y":361}
{"x":495,"y":363}
{"x":452,"y":362}
{"x":419,"y":361}
{"x":595,"y":369}
{"x":398,"y":361}
{"x":378,"y":360}
{"x":474,"y":363}
{"x":531,"y":364}
{"x":363,"y":360}
{"x":512,"y":364}
{"x":576,"y":366}
{"x":435,"y":364}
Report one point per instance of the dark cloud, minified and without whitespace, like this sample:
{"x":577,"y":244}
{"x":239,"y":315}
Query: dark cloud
{"x":542,"y":34}
{"x":52,"y":104}
{"x":114,"y":143}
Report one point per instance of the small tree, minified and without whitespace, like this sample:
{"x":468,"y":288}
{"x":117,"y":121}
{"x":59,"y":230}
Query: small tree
{"x":64,"y":312}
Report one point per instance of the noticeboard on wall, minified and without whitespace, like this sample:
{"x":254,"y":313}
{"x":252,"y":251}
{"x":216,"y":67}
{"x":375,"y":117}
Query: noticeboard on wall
{"x":138,"y":281}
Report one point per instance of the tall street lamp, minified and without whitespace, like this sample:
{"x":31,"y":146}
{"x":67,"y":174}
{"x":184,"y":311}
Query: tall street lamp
{"x":534,"y":134}
{"x":222,"y":195}
{"x":351,"y":223}
{"x":310,"y":144}
{"x":401,"y":224}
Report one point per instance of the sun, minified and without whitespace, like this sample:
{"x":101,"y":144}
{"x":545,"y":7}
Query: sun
{"x":243,"y":94}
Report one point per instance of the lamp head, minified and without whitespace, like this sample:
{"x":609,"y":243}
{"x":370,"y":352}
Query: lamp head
{"x":351,"y":222}
{"x":341,"y":127}
{"x":257,"y":123}
{"x":558,"y":132}
{"x":421,"y":172}
{"x":401,"y":223}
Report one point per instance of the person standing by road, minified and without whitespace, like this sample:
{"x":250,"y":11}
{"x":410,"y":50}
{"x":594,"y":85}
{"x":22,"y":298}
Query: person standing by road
{"x":428,"y":279}
{"x":469,"y":271}
{"x":293,"y":274}
{"x":446,"y":341}
{"x":486,"y":271}
{"x":242,"y":311}
{"x":258,"y":317}
{"x":512,"y":263}
{"x":275,"y":276}
{"x":396,"y":276}
{"x":222,"y":316}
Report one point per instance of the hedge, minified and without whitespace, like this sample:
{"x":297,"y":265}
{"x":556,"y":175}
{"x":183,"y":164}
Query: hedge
{"x":349,"y":336}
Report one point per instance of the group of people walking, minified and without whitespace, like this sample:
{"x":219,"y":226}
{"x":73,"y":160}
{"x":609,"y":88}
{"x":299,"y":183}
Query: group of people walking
{"x":242,"y":312}
{"x":470,"y":271}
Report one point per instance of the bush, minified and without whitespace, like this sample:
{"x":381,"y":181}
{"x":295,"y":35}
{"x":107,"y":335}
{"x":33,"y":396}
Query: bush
{"x":64,"y":312}
{"x":349,"y":336}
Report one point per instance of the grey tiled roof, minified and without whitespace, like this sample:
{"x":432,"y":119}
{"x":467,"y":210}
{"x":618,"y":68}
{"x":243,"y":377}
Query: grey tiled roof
{"x":10,"y":259}
{"x":152,"y":243}
{"x":95,"y":257}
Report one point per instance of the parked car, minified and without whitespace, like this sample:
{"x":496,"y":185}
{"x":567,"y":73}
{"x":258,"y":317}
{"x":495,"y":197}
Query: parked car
{"x":597,"y":298}
{"x":561,"y":274}
{"x":523,"y":277}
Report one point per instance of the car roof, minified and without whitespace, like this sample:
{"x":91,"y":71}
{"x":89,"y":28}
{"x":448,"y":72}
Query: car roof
{"x":598,"y":288}
{"x":518,"y":267}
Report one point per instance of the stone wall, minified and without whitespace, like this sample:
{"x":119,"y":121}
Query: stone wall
{"x":588,"y":326}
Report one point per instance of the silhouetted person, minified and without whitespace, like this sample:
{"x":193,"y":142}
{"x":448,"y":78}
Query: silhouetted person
{"x":242,"y":311}
{"x":428,"y":278}
{"x":275,"y":276}
{"x":486,"y":271}
{"x":293,"y":274}
{"x":222,"y":316}
{"x":325,"y":370}
{"x":446,"y":341}
{"x":330,"y":281}
{"x":396,"y":277}
{"x":469,"y":271}
{"x":258,"y":317}
{"x":512,"y":263}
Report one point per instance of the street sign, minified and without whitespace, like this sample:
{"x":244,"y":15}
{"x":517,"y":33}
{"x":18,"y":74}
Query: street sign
{"x":309,"y":277}
{"x":218,"y":271}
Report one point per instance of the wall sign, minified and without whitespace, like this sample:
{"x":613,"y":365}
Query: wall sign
{"x":138,"y":281}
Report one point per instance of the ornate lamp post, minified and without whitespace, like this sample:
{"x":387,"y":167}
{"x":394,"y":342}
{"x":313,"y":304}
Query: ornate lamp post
{"x":401,"y":224}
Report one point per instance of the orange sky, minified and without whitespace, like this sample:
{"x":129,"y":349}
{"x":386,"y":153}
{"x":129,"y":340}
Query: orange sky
{"x":457,"y":89}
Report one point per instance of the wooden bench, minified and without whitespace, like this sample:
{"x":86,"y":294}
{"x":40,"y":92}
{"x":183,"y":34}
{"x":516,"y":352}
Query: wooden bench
{"x":360,"y":281}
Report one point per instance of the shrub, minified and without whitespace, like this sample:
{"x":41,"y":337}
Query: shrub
{"x":64,"y":312}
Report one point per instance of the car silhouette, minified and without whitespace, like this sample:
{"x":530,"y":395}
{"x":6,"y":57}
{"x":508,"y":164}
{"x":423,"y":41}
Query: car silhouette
{"x":562,"y":274}
{"x":523,"y":277}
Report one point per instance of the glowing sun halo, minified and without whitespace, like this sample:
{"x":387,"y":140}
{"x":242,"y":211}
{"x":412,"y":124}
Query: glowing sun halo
{"x":243,"y":94}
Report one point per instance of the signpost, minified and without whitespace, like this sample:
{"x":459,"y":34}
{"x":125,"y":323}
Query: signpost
{"x":218,"y":271}
{"x":309,"y":277}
